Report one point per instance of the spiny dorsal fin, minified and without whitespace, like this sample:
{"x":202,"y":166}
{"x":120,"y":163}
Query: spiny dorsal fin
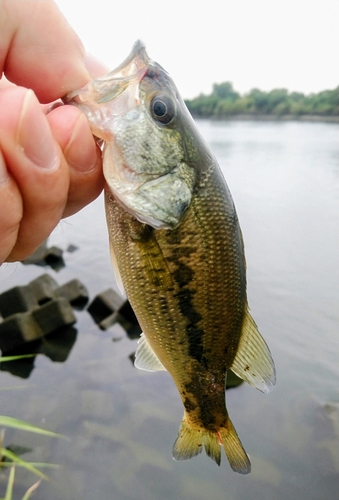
{"x":253,"y":361}
{"x":145,"y":357}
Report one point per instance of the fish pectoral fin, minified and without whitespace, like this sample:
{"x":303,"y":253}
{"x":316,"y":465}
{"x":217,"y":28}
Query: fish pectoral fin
{"x":190,"y":441}
{"x":145,"y":357}
{"x":116,"y":269}
{"x":253,"y":361}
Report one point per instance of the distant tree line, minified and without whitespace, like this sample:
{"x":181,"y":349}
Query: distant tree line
{"x":224,"y":102}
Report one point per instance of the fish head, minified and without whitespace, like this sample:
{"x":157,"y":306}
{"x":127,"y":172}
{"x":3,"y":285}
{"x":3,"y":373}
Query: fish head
{"x":150,"y":139}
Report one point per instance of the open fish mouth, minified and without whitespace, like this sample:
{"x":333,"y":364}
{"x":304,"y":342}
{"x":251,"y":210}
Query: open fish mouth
{"x":112,"y":84}
{"x":94,"y":99}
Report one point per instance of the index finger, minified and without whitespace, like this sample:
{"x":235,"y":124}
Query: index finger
{"x":39,"y":49}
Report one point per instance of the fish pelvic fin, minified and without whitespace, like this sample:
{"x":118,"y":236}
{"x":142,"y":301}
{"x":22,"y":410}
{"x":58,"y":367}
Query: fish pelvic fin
{"x":253,"y":361}
{"x":145,"y":357}
{"x":191,"y":440}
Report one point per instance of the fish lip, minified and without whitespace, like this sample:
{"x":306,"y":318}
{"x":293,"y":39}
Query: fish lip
{"x":104,"y":98}
{"x":138,"y":52}
{"x":134,"y":67}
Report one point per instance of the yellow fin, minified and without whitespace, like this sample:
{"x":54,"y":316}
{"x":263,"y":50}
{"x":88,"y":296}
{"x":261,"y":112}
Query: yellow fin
{"x":253,"y":361}
{"x":145,"y":357}
{"x":190,"y":441}
{"x":234,"y":450}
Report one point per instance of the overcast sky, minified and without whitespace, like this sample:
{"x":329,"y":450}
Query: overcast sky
{"x":252,"y":43}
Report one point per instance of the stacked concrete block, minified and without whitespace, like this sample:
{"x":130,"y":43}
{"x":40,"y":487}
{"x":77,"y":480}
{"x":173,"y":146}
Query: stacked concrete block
{"x":54,"y":255}
{"x":46,"y":256}
{"x":59,"y":344}
{"x":40,"y":308}
{"x":104,"y":305}
{"x":16,"y":300}
{"x":18,"y":329}
{"x":109,"y":307}
{"x":75,"y":292}
{"x":44,"y":288}
{"x":53,"y":315}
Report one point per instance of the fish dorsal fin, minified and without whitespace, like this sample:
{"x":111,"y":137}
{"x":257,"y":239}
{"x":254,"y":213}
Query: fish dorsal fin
{"x":145,"y":357}
{"x":116,"y":270}
{"x":253,"y":361}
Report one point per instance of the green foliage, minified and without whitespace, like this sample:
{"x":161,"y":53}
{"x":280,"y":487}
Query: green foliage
{"x":24,"y":426}
{"x":224,"y":102}
{"x":7,"y":455}
{"x":10,"y":484}
{"x":203,"y":105}
{"x":225,"y":91}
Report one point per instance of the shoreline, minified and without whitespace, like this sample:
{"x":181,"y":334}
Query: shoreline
{"x":272,"y":118}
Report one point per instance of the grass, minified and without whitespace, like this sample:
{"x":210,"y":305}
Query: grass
{"x":8,"y":457}
{"x":10,"y":484}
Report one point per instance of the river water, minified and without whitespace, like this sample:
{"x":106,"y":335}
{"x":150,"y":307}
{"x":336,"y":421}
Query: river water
{"x":121,"y":422}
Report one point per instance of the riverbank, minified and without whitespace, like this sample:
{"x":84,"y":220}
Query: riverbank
{"x":279,"y":105}
{"x":273,"y":118}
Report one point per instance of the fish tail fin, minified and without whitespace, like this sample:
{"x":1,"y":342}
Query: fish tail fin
{"x":191,"y":439}
{"x":234,"y":450}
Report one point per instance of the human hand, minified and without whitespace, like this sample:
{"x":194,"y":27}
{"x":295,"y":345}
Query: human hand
{"x":50,"y":165}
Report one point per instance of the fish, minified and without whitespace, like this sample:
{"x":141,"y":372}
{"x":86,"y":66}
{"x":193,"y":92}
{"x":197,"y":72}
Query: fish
{"x":177,"y":250}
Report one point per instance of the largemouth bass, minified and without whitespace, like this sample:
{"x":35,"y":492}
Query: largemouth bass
{"x":177,"y":250}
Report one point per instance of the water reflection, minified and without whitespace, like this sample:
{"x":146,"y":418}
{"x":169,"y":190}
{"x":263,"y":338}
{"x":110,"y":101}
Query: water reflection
{"x":123,"y":422}
{"x":56,"y":346}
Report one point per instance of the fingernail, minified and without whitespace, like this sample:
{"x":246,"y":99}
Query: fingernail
{"x":3,"y":170}
{"x":81,"y":152}
{"x":35,"y":136}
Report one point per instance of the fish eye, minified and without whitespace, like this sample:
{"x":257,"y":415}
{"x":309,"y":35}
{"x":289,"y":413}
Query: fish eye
{"x":162,"y":109}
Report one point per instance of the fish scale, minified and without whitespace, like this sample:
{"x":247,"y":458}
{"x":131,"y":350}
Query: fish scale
{"x":177,"y":250}
{"x":199,"y":304}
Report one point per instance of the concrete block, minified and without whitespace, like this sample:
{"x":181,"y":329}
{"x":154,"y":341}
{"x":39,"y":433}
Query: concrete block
{"x":54,"y":258}
{"x":133,"y":330}
{"x":57,"y":346}
{"x":43,"y":288}
{"x":53,"y":254}
{"x":17,"y":330}
{"x":37,"y":257}
{"x":74,"y":292}
{"x":72,"y":248}
{"x":109,"y":321}
{"x":16,"y":300}
{"x":21,"y":367}
{"x":127,"y":312}
{"x":108,"y":307}
{"x":53,"y":315}
{"x":105,"y":304}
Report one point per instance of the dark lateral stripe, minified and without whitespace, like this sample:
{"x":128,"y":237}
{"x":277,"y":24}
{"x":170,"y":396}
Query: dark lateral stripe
{"x":194,"y":334}
{"x":184,"y":277}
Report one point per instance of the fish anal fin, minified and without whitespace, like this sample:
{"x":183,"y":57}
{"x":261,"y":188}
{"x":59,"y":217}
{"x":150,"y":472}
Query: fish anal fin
{"x":145,"y":357}
{"x":253,"y":361}
{"x":191,"y":439}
